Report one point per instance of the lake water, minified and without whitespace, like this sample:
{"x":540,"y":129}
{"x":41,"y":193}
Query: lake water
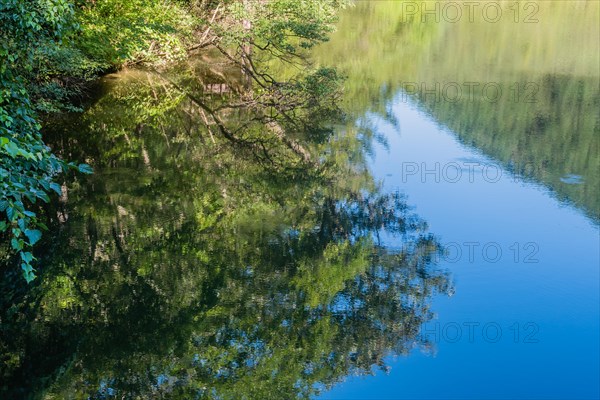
{"x":447,"y":247}
{"x":493,"y":172}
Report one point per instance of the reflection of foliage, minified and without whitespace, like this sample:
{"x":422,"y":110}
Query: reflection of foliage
{"x":49,"y":49}
{"x":544,"y":140}
{"x":195,"y":267}
{"x":555,"y":136}
{"x":377,"y":47}
{"x":268,"y":41}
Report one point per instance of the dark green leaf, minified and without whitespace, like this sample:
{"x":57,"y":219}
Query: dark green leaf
{"x":16,"y":244}
{"x":10,"y":213}
{"x":56,"y":188}
{"x":86,"y":169}
{"x":33,"y":235}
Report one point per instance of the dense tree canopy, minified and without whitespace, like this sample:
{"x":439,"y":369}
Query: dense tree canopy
{"x":27,"y":166}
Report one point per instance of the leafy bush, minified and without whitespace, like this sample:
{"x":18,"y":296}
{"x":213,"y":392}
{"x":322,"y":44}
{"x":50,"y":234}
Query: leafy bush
{"x":114,"y":32}
{"x":27,"y":166}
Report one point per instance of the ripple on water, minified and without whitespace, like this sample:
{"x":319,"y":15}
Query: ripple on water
{"x":572,"y":179}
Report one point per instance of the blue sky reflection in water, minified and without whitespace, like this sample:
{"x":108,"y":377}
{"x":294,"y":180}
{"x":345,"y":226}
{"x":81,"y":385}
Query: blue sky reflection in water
{"x":509,"y":186}
{"x":523,"y":322}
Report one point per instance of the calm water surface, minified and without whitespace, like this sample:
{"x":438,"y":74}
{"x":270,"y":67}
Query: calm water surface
{"x":447,"y":248}
{"x":507,"y":180}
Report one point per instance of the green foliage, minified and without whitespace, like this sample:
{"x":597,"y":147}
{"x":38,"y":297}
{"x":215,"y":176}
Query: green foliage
{"x":270,"y":39}
{"x":197,"y":268}
{"x":27,"y":166}
{"x":114,"y":33}
{"x":48,"y":50}
{"x":282,"y":26}
{"x":103,"y":36}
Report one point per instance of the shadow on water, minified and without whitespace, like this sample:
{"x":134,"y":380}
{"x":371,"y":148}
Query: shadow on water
{"x":205,"y":259}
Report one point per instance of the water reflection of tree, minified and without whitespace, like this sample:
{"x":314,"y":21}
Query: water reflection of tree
{"x":193,"y":265}
{"x":544,"y":125}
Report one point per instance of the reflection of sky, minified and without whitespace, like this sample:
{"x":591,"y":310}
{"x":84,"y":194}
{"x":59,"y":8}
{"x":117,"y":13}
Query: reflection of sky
{"x":572,"y":179}
{"x":558,"y":294}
